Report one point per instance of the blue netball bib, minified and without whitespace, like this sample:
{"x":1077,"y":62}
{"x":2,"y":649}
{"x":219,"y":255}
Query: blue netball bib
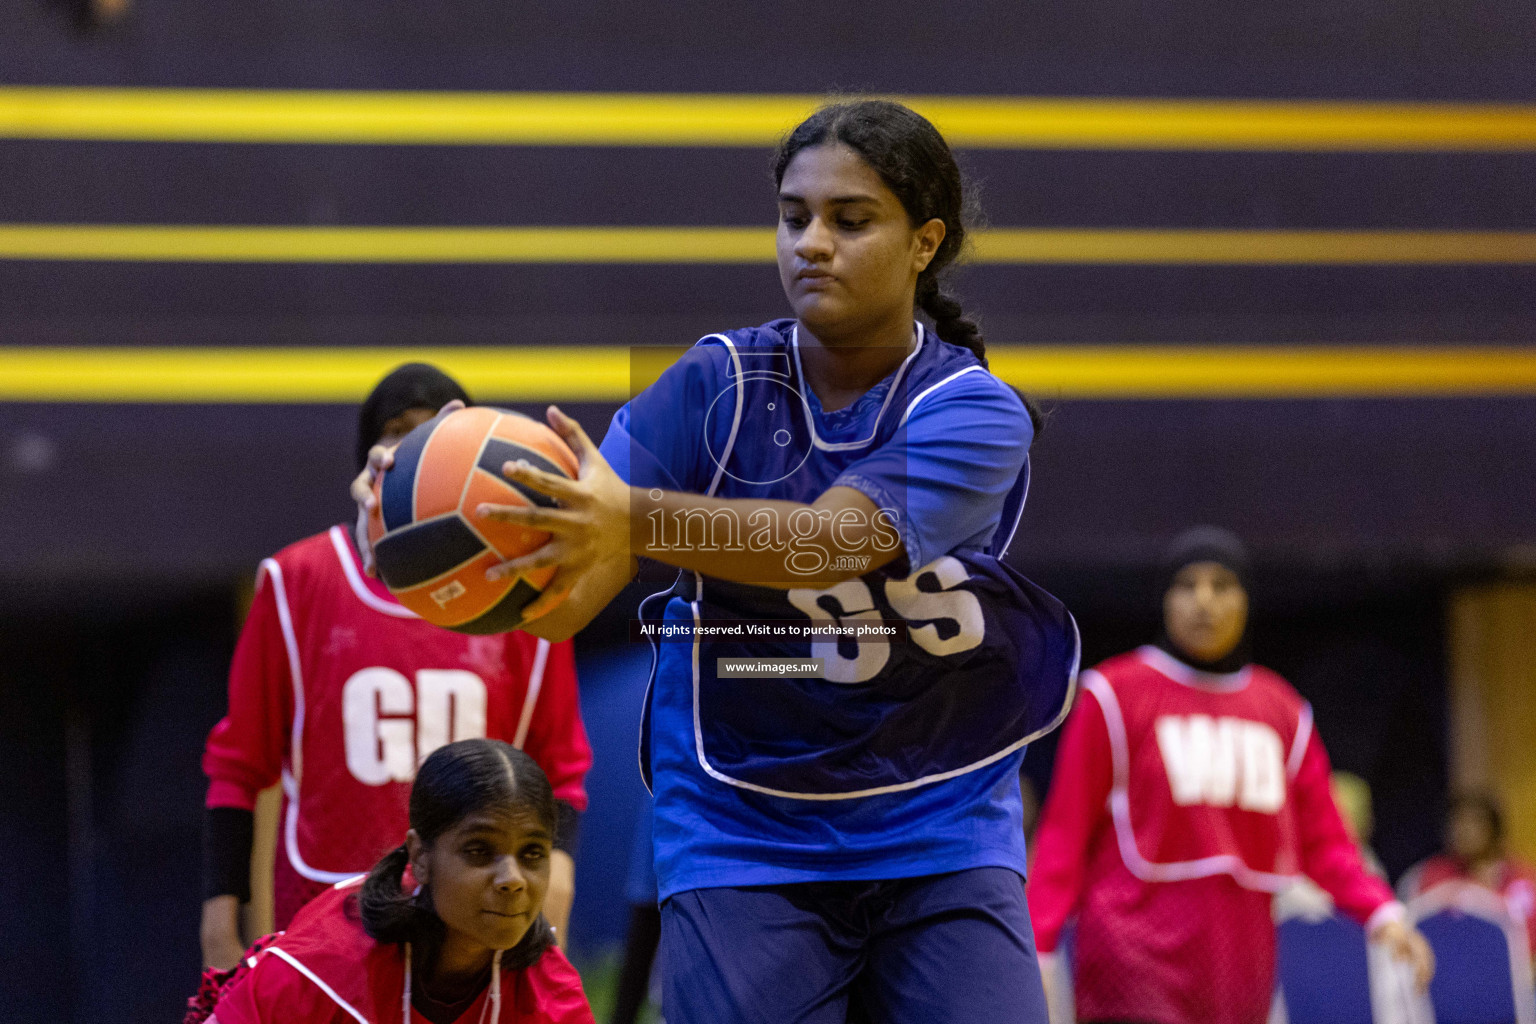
{"x":749,"y":771}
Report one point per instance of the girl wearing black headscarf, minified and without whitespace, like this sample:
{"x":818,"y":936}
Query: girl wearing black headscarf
{"x":1190,"y":786}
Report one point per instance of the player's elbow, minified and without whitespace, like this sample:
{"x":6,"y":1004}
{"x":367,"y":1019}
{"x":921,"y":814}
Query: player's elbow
{"x":838,"y":569}
{"x":849,"y":558}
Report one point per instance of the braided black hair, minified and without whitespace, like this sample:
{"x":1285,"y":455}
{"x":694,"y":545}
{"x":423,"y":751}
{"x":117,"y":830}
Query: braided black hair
{"x":917,"y":165}
{"x":457,"y":780}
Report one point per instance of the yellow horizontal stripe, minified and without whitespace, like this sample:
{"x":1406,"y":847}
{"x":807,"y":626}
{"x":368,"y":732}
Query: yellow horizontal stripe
{"x":657,"y":119}
{"x":285,"y":244}
{"x":293,"y":244}
{"x":1224,"y":371}
{"x":301,"y":374}
{"x":1289,"y":247}
{"x":603,"y":373}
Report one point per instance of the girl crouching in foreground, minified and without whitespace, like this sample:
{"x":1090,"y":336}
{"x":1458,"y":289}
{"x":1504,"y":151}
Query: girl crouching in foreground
{"x":446,"y":929}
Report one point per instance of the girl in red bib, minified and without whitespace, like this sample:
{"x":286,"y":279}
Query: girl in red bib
{"x":1191,"y":786}
{"x":446,"y":929}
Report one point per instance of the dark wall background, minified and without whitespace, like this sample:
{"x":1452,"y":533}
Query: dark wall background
{"x":1307,"y":48}
{"x":107,"y":708}
{"x":125,"y":530}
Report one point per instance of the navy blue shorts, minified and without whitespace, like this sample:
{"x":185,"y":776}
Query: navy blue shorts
{"x":955,"y":947}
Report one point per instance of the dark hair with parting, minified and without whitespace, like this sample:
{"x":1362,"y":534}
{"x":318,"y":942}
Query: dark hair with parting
{"x":916,"y":164}
{"x":408,"y":386}
{"x":455,"y":781}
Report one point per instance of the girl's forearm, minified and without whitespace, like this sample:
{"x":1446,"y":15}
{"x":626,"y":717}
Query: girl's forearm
{"x":766,"y":542}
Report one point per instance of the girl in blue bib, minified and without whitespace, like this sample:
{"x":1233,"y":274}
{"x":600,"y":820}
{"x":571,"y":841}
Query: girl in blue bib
{"x":846,"y":673}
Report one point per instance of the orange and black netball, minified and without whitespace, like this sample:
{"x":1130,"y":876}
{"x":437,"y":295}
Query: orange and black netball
{"x":432,"y":551}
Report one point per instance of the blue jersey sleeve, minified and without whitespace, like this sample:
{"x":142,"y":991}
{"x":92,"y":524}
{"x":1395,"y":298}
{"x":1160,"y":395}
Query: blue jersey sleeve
{"x":949,"y":469}
{"x":657,"y":438}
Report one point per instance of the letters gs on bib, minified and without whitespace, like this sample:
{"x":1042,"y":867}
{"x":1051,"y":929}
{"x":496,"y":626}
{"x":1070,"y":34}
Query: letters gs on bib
{"x":989,"y":662}
{"x":943,"y":617}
